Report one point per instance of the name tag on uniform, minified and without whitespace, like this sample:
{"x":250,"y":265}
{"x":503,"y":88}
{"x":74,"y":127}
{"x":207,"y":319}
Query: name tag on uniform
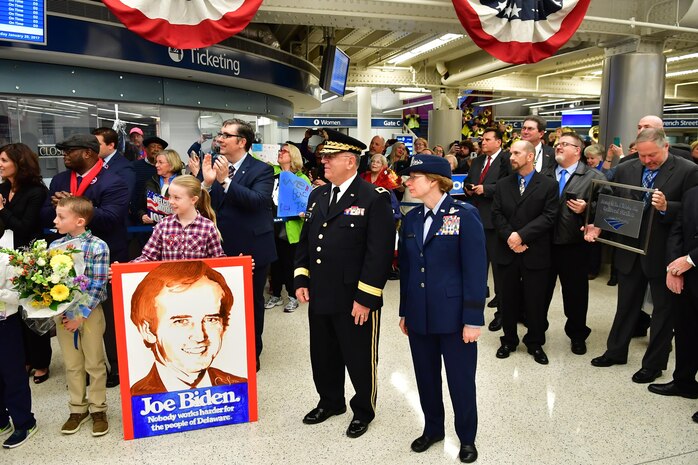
{"x":354,"y":211}
{"x":451,"y":226}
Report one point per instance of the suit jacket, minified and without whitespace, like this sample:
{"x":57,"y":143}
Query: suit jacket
{"x":443,"y":280}
{"x":109,"y":195}
{"x":567,"y":229}
{"x":244,"y":213}
{"x":683,"y":236}
{"x":121,"y":166}
{"x":152,"y":384}
{"x":532,"y":215}
{"x":675,"y":177}
{"x":548,"y":158}
{"x":500,"y":168}
{"x":22,"y":214}
{"x":345,"y":252}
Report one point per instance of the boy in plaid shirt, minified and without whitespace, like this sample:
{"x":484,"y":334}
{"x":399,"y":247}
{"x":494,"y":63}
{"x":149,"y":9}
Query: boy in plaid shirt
{"x":80,"y":332}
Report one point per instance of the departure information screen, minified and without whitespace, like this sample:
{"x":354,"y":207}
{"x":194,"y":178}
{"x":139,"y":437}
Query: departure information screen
{"x":23,"y":21}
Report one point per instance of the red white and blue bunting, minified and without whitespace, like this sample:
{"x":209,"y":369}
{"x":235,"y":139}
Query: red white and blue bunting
{"x":185,"y":24}
{"x":521,"y":31}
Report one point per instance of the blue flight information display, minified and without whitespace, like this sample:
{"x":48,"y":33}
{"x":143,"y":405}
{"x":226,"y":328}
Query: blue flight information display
{"x":23,"y":21}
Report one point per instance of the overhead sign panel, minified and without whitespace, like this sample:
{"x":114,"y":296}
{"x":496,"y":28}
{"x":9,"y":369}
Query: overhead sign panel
{"x":23,"y":21}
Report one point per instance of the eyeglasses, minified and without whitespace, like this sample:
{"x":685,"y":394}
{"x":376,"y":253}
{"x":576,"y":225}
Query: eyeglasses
{"x":565,"y":145}
{"x":529,"y":128}
{"x":283,"y":151}
{"x":413,"y":177}
{"x":225,"y":135}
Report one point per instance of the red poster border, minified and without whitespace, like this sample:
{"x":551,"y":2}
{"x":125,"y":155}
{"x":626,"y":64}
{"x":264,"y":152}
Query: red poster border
{"x":118,"y":269}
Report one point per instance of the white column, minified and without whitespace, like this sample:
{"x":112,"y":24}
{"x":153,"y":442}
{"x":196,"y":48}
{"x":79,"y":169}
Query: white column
{"x":363,"y":114}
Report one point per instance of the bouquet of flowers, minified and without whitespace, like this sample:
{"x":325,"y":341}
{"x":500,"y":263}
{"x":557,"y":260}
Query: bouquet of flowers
{"x":49,"y":281}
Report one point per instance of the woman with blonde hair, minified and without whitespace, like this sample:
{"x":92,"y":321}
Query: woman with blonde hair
{"x":153,"y":208}
{"x":190,"y":232}
{"x":420,"y":145}
{"x":286,"y":234}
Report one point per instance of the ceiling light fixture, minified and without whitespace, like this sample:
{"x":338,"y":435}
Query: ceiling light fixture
{"x":409,"y":105}
{"x":427,"y":47}
{"x":682,"y":73}
{"x":676,"y":58}
{"x":501,"y":103}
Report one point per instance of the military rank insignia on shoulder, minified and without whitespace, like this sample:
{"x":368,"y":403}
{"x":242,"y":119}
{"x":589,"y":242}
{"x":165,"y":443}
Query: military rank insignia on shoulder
{"x":382,"y":190}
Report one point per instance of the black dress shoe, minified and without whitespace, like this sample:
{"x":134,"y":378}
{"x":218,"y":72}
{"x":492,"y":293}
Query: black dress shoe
{"x":112,"y":380}
{"x":671,"y":389}
{"x":579,"y":347}
{"x":504,"y":350}
{"x":538,"y":355}
{"x":695,"y":417}
{"x":604,"y":361}
{"x":613,"y":281}
{"x":496,"y":324}
{"x":494,"y":303}
{"x":318,"y":415}
{"x":357,"y":428}
{"x":424,"y":442}
{"x":646,"y":375}
{"x":468,"y":453}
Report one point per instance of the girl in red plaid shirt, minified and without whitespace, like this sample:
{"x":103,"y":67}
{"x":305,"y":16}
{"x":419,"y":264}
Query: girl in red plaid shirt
{"x":190,"y":232}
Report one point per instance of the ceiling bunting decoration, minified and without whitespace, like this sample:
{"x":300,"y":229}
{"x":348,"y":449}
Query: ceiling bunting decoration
{"x":184,"y":24}
{"x":521,"y":31}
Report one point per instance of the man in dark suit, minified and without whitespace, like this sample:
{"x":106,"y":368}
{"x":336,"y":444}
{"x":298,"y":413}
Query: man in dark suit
{"x":185,"y":338}
{"x":533,"y":131}
{"x":485,"y":171}
{"x":523,"y":213}
{"x":571,"y":253}
{"x":682,"y":280}
{"x":342,"y":263}
{"x":241,"y":188}
{"x":109,"y":194}
{"x":670,"y":176}
{"x":117,"y":164}
{"x":112,"y":159}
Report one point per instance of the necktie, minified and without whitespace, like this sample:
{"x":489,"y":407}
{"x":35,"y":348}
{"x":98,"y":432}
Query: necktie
{"x":429,"y":214}
{"x":335,"y":196}
{"x":563,"y":181}
{"x":427,"y":224}
{"x":231,"y":170}
{"x":79,"y":179}
{"x":648,"y":183}
{"x":538,"y":163}
{"x":522,"y":186}
{"x":485,"y":170}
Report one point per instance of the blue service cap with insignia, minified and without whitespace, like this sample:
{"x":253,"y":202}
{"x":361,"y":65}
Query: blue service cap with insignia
{"x":337,"y":142}
{"x":428,"y":164}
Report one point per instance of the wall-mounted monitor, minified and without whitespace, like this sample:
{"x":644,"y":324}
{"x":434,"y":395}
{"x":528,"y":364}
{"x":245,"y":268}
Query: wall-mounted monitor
{"x":23,"y":21}
{"x":577,"y":119}
{"x":335,"y":69}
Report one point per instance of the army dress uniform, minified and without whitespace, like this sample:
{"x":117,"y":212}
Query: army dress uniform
{"x":344,"y":255}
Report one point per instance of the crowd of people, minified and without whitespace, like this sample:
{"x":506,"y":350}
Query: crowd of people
{"x":522,"y":213}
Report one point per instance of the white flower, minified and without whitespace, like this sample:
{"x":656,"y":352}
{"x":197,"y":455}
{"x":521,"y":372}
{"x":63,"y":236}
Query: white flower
{"x":41,"y":262}
{"x":55,"y":278}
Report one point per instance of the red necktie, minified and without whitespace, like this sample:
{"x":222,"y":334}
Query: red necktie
{"x":484,"y":171}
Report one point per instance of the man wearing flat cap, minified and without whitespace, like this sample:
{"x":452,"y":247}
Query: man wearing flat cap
{"x":343,"y":260}
{"x":86,"y":177}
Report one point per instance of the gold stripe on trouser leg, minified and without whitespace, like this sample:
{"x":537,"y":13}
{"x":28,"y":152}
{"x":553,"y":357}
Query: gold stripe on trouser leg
{"x":375,"y":321}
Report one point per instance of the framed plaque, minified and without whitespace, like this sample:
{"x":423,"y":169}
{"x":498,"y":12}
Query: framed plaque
{"x":619,"y":210}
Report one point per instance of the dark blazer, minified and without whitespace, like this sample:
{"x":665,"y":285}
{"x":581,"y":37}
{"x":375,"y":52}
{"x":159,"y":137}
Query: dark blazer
{"x":109,"y":195}
{"x":532,"y":215}
{"x":152,"y":384}
{"x":344,"y":253}
{"x":568,"y":225}
{"x":244,"y":213}
{"x":683,"y":236}
{"x":500,"y":168}
{"x":548,"y":158}
{"x":22,"y":214}
{"x":443,"y":280}
{"x":142,"y":171}
{"x":121,"y":166}
{"x":675,"y":177}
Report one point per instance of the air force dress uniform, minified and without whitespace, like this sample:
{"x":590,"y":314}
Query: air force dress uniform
{"x":344,"y":255}
{"x":443,"y":286}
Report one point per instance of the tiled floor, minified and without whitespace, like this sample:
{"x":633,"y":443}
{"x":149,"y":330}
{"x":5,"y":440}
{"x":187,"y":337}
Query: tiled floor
{"x":565,"y":413}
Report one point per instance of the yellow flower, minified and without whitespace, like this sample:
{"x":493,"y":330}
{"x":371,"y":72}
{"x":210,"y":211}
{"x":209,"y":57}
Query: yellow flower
{"x":60,"y":292}
{"x":61,"y":260}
